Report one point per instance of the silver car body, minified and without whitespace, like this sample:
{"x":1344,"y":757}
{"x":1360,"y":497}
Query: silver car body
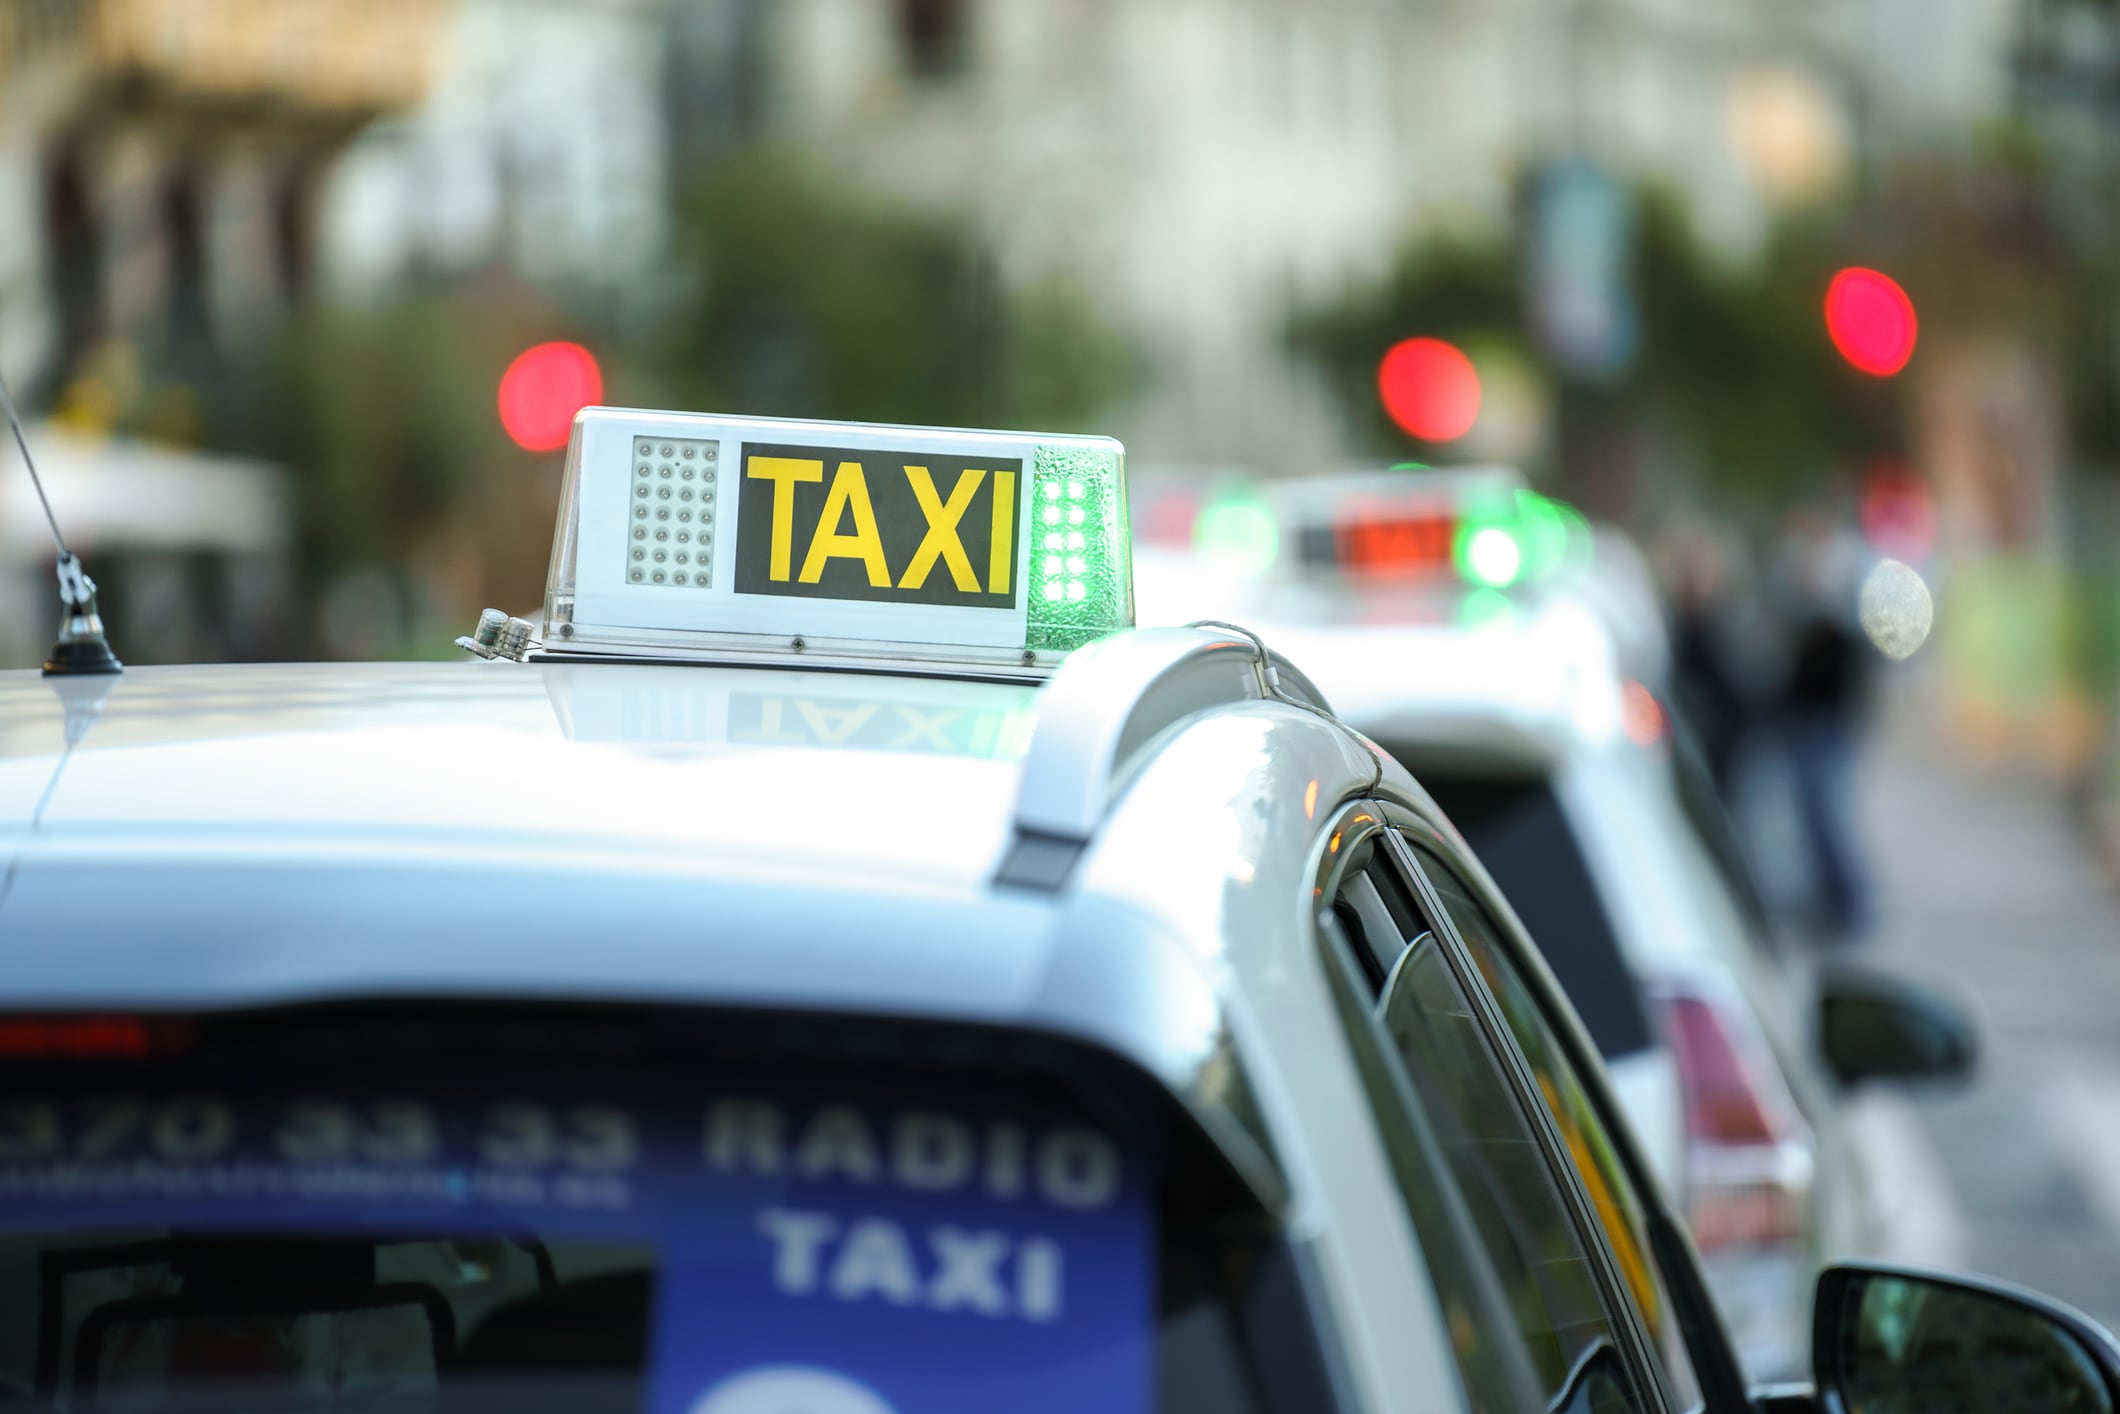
{"x":503,"y":831}
{"x":1545,"y":689}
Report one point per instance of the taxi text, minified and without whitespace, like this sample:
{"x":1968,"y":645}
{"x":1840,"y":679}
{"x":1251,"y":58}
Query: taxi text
{"x":946,"y":1269}
{"x":921,"y":1151}
{"x":869,"y":525}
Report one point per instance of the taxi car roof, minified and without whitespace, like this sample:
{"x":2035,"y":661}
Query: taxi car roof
{"x":678,"y":766}
{"x":1532,"y":689}
{"x":239,"y":836}
{"x":1536,"y":676}
{"x":231,"y":837}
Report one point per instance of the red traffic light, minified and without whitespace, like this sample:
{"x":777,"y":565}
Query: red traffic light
{"x":543,"y":389}
{"x":1430,"y":389}
{"x":1871,"y":321}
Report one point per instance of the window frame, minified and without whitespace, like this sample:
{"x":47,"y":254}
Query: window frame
{"x":1708,"y":1344}
{"x":1416,"y":1164}
{"x":1636,"y":1349}
{"x":1586,"y":1132}
{"x":1368,"y":823}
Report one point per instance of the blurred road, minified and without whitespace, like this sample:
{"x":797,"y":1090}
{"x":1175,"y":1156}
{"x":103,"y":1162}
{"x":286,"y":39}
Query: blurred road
{"x":1983,"y":888}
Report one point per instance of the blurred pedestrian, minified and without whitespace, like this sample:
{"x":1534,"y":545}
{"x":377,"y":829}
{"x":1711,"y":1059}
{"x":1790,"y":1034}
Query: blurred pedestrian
{"x":1819,"y":714}
{"x":1714,"y":696}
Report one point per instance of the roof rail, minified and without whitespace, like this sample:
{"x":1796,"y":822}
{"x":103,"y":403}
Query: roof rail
{"x":1109,"y":699}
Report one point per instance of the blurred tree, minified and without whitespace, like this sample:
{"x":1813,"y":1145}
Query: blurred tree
{"x":1447,"y":287}
{"x":1736,"y":379}
{"x":1737,"y":364}
{"x":784,"y":302}
{"x":385,"y":417}
{"x":796,"y":302}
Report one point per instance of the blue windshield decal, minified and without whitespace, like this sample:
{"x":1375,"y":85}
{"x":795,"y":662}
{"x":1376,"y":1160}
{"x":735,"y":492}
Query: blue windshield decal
{"x":816,"y":1255}
{"x":929,"y":1258}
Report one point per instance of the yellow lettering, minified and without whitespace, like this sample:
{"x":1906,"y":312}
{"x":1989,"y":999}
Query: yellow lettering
{"x":941,"y":538}
{"x":784,"y":472}
{"x":1004,"y":532}
{"x":849,"y":493}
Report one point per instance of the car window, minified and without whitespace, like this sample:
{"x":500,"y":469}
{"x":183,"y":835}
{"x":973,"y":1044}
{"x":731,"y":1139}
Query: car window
{"x":1519,"y":1216}
{"x":547,"y":1211}
{"x":1514,"y":822}
{"x":1614,"y":1198}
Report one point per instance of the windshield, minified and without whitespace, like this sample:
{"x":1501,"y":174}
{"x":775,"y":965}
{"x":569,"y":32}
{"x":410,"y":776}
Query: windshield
{"x":534,"y":1214}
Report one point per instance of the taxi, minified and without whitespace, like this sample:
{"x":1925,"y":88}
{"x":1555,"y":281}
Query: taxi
{"x":1495,"y":645}
{"x":828,"y":963}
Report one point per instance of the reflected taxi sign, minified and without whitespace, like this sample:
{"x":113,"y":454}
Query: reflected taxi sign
{"x":651,"y":707}
{"x":688,"y":534}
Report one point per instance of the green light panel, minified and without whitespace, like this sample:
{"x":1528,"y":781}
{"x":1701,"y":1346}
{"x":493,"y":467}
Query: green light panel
{"x":1520,"y":537}
{"x":1080,"y":552}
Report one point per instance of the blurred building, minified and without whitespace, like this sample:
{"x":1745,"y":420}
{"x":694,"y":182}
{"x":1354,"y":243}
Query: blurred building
{"x":539,"y":150}
{"x":159,"y":162}
{"x":1197,"y":169}
{"x":177,"y":174}
{"x":2064,"y":68}
{"x":1936,"y":70}
{"x":160,"y":165}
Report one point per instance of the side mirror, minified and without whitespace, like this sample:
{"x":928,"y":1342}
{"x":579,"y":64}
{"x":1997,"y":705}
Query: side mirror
{"x":1889,"y":1341}
{"x":1876,"y":1027}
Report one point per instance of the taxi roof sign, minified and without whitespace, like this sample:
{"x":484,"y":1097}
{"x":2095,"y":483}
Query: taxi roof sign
{"x":1395,"y":525}
{"x":685,"y":534}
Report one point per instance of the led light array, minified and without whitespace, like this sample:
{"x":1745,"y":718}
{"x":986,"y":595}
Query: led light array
{"x":1063,"y":541}
{"x":1081,"y":581}
{"x":670,"y":538}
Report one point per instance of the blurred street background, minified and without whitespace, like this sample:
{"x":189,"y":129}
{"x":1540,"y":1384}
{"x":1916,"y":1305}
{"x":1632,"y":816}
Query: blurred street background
{"x":299,"y":295}
{"x":1985,"y":891}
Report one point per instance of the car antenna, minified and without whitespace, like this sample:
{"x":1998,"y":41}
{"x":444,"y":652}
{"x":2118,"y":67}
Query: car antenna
{"x":81,"y":648}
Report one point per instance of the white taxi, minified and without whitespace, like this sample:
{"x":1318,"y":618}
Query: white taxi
{"x":829,"y":963}
{"x":1524,"y":714}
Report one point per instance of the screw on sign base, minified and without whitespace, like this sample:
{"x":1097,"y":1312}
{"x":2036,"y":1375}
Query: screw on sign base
{"x":500,"y":635}
{"x":82,"y":648}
